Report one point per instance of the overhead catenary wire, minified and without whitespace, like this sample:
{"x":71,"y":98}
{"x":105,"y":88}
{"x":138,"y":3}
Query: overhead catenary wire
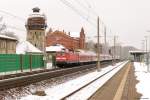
{"x":91,"y":15}
{"x":87,"y":12}
{"x":78,"y":11}
{"x":96,"y":14}
{"x":90,"y":7}
{"x":16,"y":28}
{"x":13,"y":27}
{"x":12,"y":15}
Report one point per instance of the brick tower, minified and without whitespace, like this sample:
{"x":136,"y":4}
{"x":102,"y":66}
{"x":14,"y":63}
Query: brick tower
{"x":36,"y":25}
{"x":82,"y":39}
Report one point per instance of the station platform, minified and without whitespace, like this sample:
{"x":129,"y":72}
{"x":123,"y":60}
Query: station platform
{"x":120,"y":87}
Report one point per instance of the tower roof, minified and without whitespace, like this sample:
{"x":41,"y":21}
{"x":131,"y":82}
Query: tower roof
{"x":82,"y":30}
{"x":36,"y":9}
{"x":36,"y":13}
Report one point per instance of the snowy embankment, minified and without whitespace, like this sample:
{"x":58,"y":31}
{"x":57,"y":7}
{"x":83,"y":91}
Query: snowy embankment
{"x":59,"y":91}
{"x":143,"y":76}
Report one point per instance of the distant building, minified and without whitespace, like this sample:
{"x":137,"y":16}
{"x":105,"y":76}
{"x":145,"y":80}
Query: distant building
{"x":7,"y":45}
{"x":122,"y":52}
{"x":69,"y":40}
{"x":36,"y":25}
{"x":100,"y":48}
{"x":138,"y":56}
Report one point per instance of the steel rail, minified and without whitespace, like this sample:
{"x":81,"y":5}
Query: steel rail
{"x":79,"y":89}
{"x":28,"y":79}
{"x":2,"y":77}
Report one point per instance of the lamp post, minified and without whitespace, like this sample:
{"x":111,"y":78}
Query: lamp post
{"x":148,"y":70}
{"x":143,"y":49}
{"x":120,"y":50}
{"x":147,"y":54}
{"x":114,"y":57}
{"x":98,"y":44}
{"x":105,"y":41}
{"x":114,"y":53}
{"x":143,"y":46}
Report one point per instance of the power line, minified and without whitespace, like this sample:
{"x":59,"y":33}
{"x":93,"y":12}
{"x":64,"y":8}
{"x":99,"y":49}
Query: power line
{"x":89,"y":8}
{"x":77,"y":11}
{"x":13,"y":27}
{"x":89,"y":5}
{"x":16,"y":28}
{"x":14,"y":16}
{"x":80,"y":12}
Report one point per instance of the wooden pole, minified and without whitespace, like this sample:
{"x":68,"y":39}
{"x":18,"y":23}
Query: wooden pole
{"x":30,"y":62}
{"x":21,"y":66}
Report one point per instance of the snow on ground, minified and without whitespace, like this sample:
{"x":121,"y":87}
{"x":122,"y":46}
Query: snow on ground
{"x":87,"y":92}
{"x":143,"y":76}
{"x":49,"y":65}
{"x":18,"y":92}
{"x":59,"y":91}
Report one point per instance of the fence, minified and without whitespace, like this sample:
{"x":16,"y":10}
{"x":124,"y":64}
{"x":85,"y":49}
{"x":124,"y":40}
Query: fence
{"x":14,"y":62}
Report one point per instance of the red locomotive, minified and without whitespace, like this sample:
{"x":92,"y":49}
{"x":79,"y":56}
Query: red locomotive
{"x":67,"y":58}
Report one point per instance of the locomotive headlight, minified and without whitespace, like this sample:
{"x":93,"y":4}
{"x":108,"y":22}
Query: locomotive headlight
{"x":61,"y":58}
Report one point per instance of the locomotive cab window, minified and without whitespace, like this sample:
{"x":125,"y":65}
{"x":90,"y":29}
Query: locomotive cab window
{"x":61,"y":53}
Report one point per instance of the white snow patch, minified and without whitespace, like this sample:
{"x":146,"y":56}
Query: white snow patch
{"x":75,"y":34}
{"x":7,"y":37}
{"x":55,"y":48}
{"x":25,"y":46}
{"x":49,"y":65}
{"x":143,"y":76}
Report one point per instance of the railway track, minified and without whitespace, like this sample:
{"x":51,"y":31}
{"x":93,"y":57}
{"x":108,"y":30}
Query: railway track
{"x":23,"y":79}
{"x":74,"y":94}
{"x":2,"y":77}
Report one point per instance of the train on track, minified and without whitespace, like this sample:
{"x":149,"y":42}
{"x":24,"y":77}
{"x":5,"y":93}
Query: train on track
{"x":80,"y":57}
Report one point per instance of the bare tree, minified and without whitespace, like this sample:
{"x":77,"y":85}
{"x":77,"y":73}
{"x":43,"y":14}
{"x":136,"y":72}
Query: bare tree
{"x":3,"y":30}
{"x":90,"y":45}
{"x":2,"y":25}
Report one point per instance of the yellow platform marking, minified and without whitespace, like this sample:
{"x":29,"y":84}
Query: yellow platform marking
{"x":120,"y":89}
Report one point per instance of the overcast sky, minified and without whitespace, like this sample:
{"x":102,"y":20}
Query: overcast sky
{"x":128,"y":19}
